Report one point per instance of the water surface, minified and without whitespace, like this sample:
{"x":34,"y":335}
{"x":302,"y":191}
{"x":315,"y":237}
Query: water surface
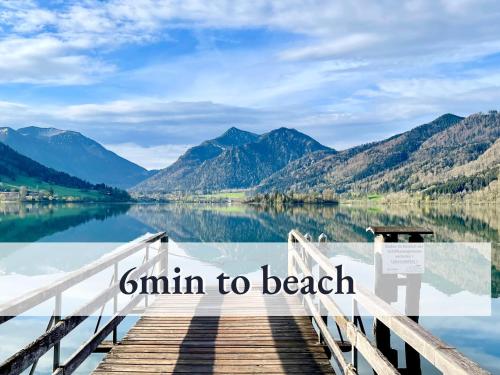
{"x":478,"y":337}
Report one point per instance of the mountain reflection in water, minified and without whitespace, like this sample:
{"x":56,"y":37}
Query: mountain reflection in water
{"x":243,"y":223}
{"x":240,"y":223}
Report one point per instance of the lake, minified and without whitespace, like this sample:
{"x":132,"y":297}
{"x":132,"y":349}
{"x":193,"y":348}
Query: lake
{"x":477,"y":337}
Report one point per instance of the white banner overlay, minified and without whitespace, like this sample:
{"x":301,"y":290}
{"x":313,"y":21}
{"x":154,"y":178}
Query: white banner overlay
{"x":247,"y":279}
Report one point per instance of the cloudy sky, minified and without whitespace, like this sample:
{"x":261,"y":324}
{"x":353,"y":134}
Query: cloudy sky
{"x":149,"y":78}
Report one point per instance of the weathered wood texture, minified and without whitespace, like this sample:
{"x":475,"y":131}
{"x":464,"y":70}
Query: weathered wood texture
{"x":220,"y":345}
{"x":12,"y":308}
{"x":399,"y":230}
{"x":30,"y":354}
{"x":444,"y":357}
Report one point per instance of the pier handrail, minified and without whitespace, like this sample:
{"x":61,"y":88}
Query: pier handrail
{"x":373,"y":356}
{"x":12,"y":308}
{"x":444,"y":357}
{"x":59,"y":327}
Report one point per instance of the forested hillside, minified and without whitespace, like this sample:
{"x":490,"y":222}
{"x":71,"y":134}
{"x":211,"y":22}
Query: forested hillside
{"x":236,"y":160}
{"x":449,"y":155}
{"x":17,"y":170}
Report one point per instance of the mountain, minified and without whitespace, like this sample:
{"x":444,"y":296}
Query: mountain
{"x":443,"y":156}
{"x":75,"y":154}
{"x":17,"y":170}
{"x":347,"y":167}
{"x":235,"y":160}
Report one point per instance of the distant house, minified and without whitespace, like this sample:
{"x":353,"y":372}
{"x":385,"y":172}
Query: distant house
{"x":32,"y":196}
{"x":9,"y":196}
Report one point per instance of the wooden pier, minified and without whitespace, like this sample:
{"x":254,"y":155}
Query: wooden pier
{"x":201,"y":345}
{"x":253,"y":343}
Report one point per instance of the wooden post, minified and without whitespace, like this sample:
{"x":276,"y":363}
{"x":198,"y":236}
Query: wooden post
{"x":321,"y":273}
{"x":163,"y":264}
{"x":308,"y":261}
{"x":381,"y":332}
{"x":146,"y":258}
{"x":412,"y":305}
{"x":115,"y":302}
{"x":386,"y":288}
{"x":354,"y":353}
{"x":57,"y":347}
{"x":291,"y":242}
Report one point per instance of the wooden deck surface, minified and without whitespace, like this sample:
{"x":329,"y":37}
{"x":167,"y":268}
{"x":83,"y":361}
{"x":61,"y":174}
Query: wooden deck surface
{"x":220,"y":345}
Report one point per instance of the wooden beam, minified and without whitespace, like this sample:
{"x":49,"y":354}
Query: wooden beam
{"x":359,"y":340}
{"x":399,"y":230}
{"x":444,"y":357}
{"x":93,"y":343}
{"x":12,"y":308}
{"x":33,"y":351}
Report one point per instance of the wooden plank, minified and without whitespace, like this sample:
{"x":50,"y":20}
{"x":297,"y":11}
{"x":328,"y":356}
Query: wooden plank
{"x":221,"y":369}
{"x":124,"y":347}
{"x":223,"y":319}
{"x":399,"y":230}
{"x":104,"y":347}
{"x":234,"y":361}
{"x":270,"y":355}
{"x":235,"y":343}
{"x":226,"y":332}
{"x":219,"y":345}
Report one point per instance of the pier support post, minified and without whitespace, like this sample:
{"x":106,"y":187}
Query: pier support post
{"x":115,"y":302}
{"x":291,"y":243}
{"x":163,"y":264}
{"x":57,"y":347}
{"x":322,"y":239}
{"x":383,"y":289}
{"x":386,"y":285}
{"x":412,"y":304}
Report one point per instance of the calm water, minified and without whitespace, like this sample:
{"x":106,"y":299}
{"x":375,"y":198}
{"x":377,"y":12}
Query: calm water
{"x":479,"y":338}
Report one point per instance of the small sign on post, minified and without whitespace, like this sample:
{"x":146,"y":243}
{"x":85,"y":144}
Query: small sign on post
{"x":403,"y":258}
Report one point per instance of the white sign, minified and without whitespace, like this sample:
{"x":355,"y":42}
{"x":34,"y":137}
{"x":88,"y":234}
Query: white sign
{"x":403,"y":258}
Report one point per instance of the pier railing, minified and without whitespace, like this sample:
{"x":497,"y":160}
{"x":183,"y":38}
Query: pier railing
{"x":60,"y":326}
{"x":302,"y":255}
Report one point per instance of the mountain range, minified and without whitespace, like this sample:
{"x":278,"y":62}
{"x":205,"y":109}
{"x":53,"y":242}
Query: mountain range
{"x":447,"y":155}
{"x":73,"y":153}
{"x":235,"y":160}
{"x":451,"y":154}
{"x":425,"y":157}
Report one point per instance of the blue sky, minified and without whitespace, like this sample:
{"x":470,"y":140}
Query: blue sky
{"x":150,"y":78}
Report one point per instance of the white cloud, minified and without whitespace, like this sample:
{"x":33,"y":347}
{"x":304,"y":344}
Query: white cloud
{"x":34,"y":19}
{"x":15,"y":113}
{"x":46,"y":60}
{"x":439,"y":88}
{"x":158,"y":111}
{"x":153,"y":157}
{"x":394,"y":30}
{"x":351,"y":44}
{"x":375,"y":67}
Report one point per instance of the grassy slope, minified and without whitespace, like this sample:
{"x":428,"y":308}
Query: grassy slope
{"x":17,"y":170}
{"x":61,"y":191}
{"x":225,"y":195}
